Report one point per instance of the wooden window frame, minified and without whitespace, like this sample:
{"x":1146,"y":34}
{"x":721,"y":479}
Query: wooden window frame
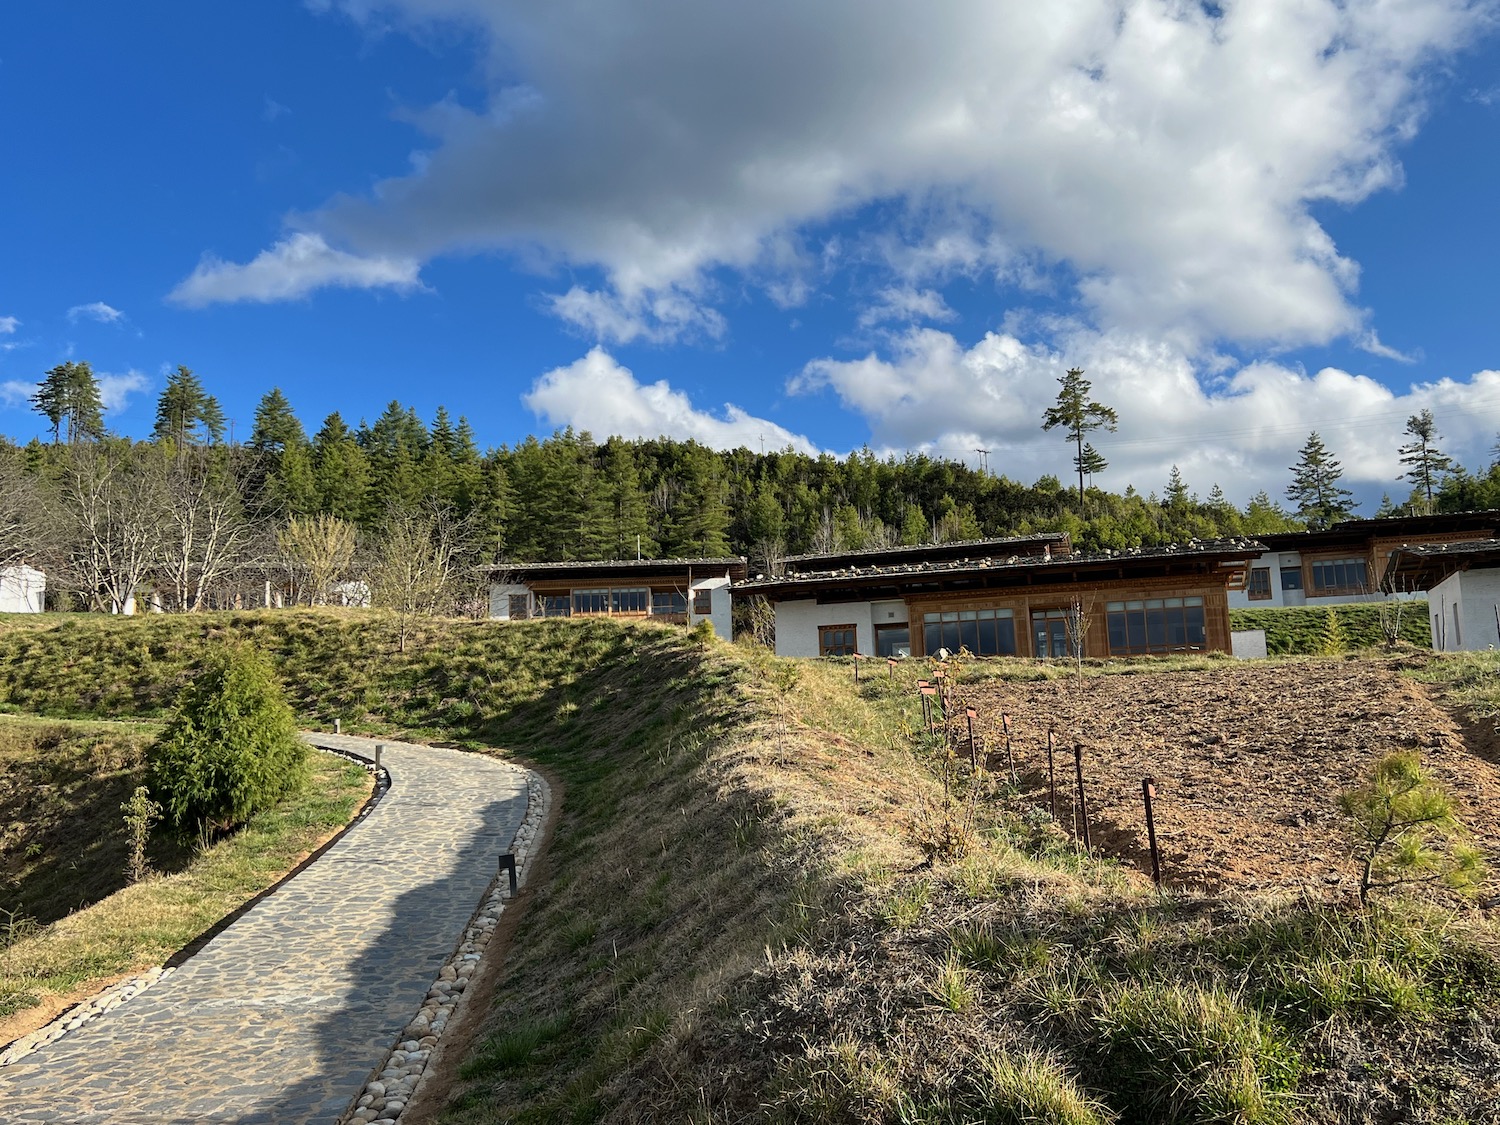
{"x":525,"y":605}
{"x":703,"y":601}
{"x":1259,"y":592}
{"x":824,"y":646}
{"x":1310,"y":569}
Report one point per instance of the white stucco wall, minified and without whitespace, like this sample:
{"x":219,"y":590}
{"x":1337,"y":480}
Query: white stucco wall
{"x":1275,"y":561}
{"x":22,"y":589}
{"x":719,"y":613}
{"x":1461,"y":611}
{"x":500,"y":598}
{"x":1248,"y":644}
{"x":797,"y":623}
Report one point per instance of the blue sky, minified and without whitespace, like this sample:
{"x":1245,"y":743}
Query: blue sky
{"x":827,"y":226}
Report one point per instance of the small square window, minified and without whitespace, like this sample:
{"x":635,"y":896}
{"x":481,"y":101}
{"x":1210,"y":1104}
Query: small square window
{"x":519,"y":607}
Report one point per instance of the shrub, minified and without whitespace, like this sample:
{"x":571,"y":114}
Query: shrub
{"x":231,"y":749}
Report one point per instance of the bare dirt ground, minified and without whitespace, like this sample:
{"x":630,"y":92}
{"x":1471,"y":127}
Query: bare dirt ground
{"x":1248,"y":760}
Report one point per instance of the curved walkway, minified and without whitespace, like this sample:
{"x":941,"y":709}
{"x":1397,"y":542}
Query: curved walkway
{"x":283,"y":1016}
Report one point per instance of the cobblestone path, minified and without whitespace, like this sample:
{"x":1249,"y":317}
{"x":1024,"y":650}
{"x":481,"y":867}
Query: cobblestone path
{"x":282,"y":1016}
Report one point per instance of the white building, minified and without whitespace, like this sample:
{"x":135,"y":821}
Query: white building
{"x":679,"y":591}
{"x":23,"y":589}
{"x":1462,"y":581}
{"x":1347,"y":562}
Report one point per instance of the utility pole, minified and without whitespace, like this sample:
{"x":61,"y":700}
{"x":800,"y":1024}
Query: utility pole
{"x":984,"y":461}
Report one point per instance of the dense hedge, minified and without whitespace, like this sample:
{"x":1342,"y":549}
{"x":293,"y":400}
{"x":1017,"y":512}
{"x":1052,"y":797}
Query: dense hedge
{"x":1301,"y":629}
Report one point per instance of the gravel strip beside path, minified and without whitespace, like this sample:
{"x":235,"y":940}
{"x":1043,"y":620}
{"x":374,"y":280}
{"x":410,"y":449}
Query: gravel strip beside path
{"x":283,"y":1015}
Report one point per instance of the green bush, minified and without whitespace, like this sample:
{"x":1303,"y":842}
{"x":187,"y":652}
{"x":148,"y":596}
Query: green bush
{"x":231,"y":749}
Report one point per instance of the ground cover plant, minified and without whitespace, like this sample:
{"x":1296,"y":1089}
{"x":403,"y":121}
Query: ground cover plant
{"x":772,"y":897}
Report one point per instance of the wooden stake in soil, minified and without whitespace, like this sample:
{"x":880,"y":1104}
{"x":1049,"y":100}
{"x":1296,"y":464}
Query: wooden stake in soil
{"x":1010,"y":758}
{"x":969,"y":713}
{"x":890,"y":662}
{"x":1148,"y":793}
{"x":1083,"y":805}
{"x":1051,"y":773}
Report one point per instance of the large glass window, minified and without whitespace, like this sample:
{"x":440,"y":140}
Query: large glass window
{"x":668,"y":601}
{"x":1291,"y":578}
{"x":629,"y":601}
{"x":556,"y":605}
{"x":1155,"y":625}
{"x":893,"y":640}
{"x":984,"y":632}
{"x":590,"y":601}
{"x":836,"y":640}
{"x":1260,"y":583}
{"x":1339,"y":576}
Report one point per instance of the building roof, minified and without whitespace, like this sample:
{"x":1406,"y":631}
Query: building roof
{"x":1000,"y":570}
{"x":1423,"y":566}
{"x":734,"y":566}
{"x":1053,"y":542}
{"x":1361,"y":531}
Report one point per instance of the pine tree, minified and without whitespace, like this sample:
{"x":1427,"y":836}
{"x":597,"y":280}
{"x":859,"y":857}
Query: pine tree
{"x":1315,"y":489}
{"x":1426,"y":461}
{"x":185,"y":412}
{"x":276,"y":427}
{"x":1090,"y":461}
{"x":340,"y":470}
{"x":69,"y":396}
{"x":1177,"y":495}
{"x":629,"y":524}
{"x":1078,"y":415}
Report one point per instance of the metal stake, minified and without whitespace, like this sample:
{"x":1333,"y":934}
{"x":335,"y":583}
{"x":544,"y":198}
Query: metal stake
{"x":973,"y":753}
{"x":1148,"y":791}
{"x":1010,"y":759}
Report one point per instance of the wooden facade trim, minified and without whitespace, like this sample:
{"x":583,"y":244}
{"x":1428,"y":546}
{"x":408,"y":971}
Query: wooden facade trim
{"x":1095,"y":596}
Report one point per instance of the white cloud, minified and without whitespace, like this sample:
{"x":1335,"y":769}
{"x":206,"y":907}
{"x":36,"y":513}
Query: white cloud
{"x":932,"y":393}
{"x":96,"y":310}
{"x":115,"y":390}
{"x":8,"y":325}
{"x":1369,"y":341}
{"x":15,"y":392}
{"x":1167,"y":153}
{"x":658,"y":317}
{"x":597,"y":394}
{"x":291,"y":269}
{"x":904,"y":304}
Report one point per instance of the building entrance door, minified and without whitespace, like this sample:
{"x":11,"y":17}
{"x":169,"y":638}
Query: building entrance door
{"x":1049,"y":633}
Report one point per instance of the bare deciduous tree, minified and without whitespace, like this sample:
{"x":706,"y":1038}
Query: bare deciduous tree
{"x":109,"y":527}
{"x":19,"y":521}
{"x":317,"y":551}
{"x":417,"y":563}
{"x":206,"y":532}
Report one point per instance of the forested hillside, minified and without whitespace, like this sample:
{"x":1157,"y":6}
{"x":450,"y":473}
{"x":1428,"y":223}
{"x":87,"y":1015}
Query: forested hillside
{"x":105,"y":515}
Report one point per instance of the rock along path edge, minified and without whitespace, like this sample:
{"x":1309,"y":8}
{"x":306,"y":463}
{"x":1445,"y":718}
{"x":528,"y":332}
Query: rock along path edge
{"x":323,"y":1001}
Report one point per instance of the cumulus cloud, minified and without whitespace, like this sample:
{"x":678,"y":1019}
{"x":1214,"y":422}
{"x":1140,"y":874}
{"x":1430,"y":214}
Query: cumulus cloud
{"x":933,"y":393}
{"x":1167,"y":154}
{"x":292,"y":269}
{"x":904,"y":304}
{"x":659,"y":317}
{"x":597,"y":394}
{"x":96,"y":310}
{"x":115,"y":390}
{"x":8,"y":325}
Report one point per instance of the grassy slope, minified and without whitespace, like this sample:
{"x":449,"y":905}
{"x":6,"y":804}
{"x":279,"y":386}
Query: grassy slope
{"x":739,"y":924}
{"x":1300,"y":630}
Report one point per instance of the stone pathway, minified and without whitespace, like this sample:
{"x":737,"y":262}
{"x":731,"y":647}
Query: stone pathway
{"x":284,"y":1015}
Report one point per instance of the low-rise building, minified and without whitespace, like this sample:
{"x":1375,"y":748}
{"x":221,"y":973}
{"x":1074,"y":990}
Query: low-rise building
{"x":681,"y":591}
{"x":1029,"y":596}
{"x":1462,"y":581}
{"x":1347,"y":562}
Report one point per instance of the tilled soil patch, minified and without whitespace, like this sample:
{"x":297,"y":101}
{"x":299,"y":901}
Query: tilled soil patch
{"x":1248,"y":761}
